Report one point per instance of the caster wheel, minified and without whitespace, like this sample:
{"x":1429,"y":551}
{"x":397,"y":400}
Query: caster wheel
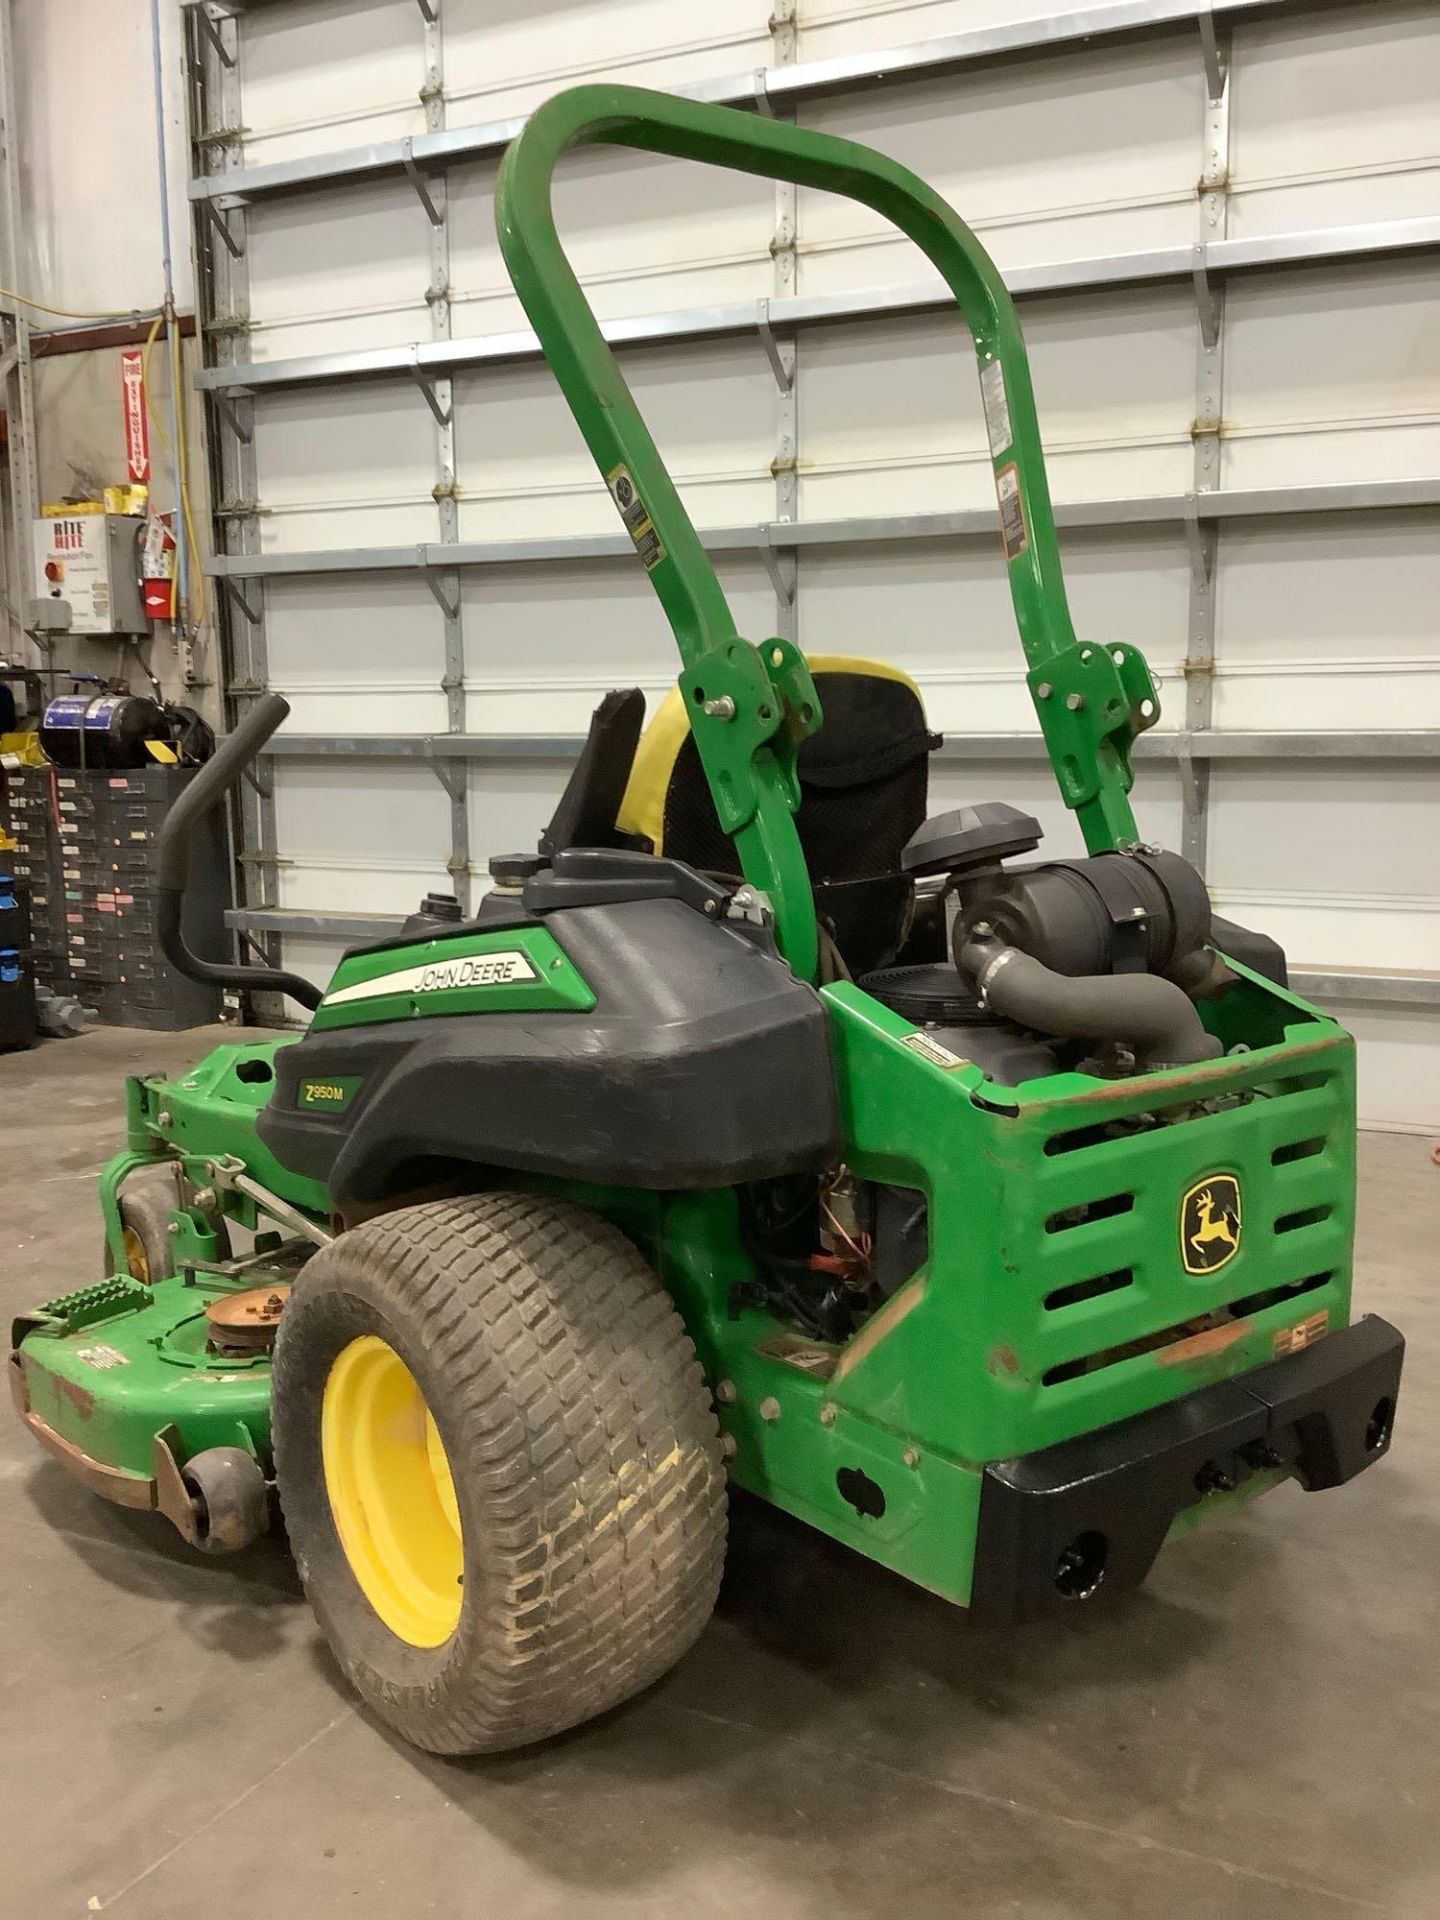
{"x":230,"y":1499}
{"x":145,"y":1203}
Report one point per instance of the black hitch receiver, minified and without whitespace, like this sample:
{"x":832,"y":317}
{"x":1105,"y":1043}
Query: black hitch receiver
{"x":1089,"y":1516}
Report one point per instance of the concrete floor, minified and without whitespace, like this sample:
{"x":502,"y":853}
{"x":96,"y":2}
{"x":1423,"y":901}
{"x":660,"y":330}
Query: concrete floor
{"x":1257,"y":1734}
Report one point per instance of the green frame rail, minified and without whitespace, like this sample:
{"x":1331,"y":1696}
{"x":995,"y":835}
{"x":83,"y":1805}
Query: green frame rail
{"x":750,"y":707}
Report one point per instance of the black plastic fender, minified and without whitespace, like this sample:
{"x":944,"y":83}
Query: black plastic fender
{"x":703,"y":1063}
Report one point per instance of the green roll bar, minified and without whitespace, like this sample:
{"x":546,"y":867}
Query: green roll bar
{"x":750,"y":707}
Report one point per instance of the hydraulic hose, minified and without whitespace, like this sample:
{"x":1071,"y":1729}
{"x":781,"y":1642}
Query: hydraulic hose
{"x":172,"y":863}
{"x":1138,"y":1009}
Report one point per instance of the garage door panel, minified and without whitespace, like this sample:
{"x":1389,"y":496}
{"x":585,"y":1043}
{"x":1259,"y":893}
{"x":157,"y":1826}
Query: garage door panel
{"x":325,"y":74}
{"x":323,"y":811}
{"x":1320,"y":930}
{"x":1348,"y":826}
{"x":942,"y":612}
{"x":345,"y":467}
{"x":1363,"y":694}
{"x":335,"y":271}
{"x":1090,"y":151}
{"x":510,"y":803}
{"x":1293,"y":206}
{"x":1334,"y":118}
{"x":1347,"y":453}
{"x":356,"y":655}
{"x":369,"y":846}
{"x":543,"y":646}
{"x":525,"y":470}
{"x":1359,"y":340}
{"x":1398,"y":1047}
{"x":1329,"y":620}
{"x":319,"y":75}
{"x":832,"y":27}
{"x":890,"y":418}
{"x":503,"y":57}
{"x":1333,"y":587}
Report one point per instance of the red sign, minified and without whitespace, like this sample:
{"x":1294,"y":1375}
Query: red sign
{"x":137,"y":429}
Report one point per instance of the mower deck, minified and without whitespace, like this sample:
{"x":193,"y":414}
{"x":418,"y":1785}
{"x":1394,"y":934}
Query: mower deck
{"x":118,"y":1383}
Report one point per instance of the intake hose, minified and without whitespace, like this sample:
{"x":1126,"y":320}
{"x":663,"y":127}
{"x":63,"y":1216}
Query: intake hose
{"x":1139,"y":1009}
{"x":172,"y":860}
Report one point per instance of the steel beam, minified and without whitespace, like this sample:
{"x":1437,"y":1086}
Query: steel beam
{"x":314,"y":926}
{"x":223,"y":302}
{"x":781,"y":86}
{"x":1215,"y":259}
{"x":1368,"y":987}
{"x":781,"y":344}
{"x":1357,"y":988}
{"x":16,"y":390}
{"x":1177,"y":745}
{"x":978,"y":523}
{"x":434,"y":193}
{"x":1203,"y":536}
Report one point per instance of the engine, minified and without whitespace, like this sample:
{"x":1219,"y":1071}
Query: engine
{"x":1094,"y":963}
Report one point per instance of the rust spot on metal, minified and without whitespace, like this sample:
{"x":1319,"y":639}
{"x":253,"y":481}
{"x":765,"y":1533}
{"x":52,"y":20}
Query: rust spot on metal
{"x":1203,"y":1346}
{"x":112,"y":1483}
{"x":79,"y":1397}
{"x":1002,"y":1361}
{"x":1214,"y":1076}
{"x":244,"y":1323}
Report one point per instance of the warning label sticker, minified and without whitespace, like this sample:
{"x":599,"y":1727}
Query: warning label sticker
{"x":633,"y":511}
{"x":932,"y":1050}
{"x":1012,"y":512}
{"x":102,"y":1357}
{"x":997,"y":408}
{"x":1304,"y":1334}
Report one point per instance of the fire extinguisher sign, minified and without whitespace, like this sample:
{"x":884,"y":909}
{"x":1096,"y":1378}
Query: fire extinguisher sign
{"x":137,"y":430}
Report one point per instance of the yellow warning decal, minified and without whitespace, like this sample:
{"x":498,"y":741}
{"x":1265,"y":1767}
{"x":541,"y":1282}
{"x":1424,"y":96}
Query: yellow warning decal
{"x":1012,"y":511}
{"x":1304,"y":1334}
{"x":635,"y":514}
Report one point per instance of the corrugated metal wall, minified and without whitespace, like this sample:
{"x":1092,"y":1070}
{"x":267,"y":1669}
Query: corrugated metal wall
{"x":1298,"y":128}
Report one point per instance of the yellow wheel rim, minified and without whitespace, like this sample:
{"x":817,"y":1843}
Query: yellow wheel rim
{"x":135,"y":1258}
{"x":391,"y":1492}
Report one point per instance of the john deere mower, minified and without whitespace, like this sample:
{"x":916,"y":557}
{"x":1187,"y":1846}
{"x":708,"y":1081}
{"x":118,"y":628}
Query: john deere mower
{"x":992,"y":1214}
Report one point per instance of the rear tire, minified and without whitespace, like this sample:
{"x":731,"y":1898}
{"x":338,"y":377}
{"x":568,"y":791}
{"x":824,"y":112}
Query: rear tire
{"x":588,"y":1484}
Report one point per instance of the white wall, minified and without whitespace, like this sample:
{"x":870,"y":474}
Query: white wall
{"x":89,"y":177}
{"x":92,"y":244}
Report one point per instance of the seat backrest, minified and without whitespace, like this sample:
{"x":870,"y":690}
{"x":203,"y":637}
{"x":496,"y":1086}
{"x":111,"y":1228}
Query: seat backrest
{"x":587,"y":814}
{"x":863,"y":786}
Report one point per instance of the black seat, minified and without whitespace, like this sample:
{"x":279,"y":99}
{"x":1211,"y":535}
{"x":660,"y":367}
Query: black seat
{"x":863,"y":784}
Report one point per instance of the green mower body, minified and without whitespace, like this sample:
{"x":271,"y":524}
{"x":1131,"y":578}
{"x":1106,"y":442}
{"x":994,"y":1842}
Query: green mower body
{"x":1003,"y":1335}
{"x":1027,"y":1415}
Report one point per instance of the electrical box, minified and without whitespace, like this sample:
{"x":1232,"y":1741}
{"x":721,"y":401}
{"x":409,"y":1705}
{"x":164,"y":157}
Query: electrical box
{"x":92,"y":562}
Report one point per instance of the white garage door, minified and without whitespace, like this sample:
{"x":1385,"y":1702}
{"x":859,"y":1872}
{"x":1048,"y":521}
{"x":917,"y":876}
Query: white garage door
{"x":1223,"y":223}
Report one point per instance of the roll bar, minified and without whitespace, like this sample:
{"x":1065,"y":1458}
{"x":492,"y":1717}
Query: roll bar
{"x":1091,"y":700}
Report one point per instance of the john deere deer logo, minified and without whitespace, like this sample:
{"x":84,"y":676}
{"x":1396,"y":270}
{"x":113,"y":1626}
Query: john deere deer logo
{"x":1210,"y":1223}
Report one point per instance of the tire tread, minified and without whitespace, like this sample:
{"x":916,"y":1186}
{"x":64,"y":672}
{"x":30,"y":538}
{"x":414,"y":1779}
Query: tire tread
{"x":570,"y":1390}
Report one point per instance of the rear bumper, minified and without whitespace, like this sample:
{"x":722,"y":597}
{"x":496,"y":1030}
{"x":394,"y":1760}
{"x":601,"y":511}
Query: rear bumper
{"x":1089,"y":1515}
